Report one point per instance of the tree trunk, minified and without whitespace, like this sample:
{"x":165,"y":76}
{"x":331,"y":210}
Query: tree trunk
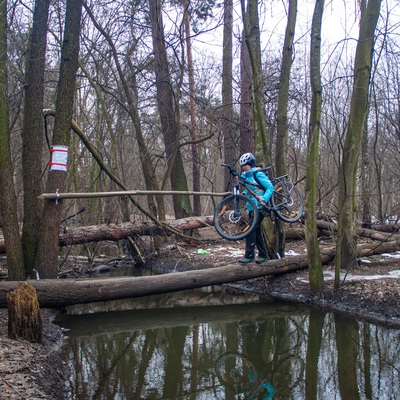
{"x":167,"y":108}
{"x":8,"y":200}
{"x":252,"y":37}
{"x":24,"y":320}
{"x":366,"y":216}
{"x":230,"y":156}
{"x":246,"y":119}
{"x":283,"y":95}
{"x":347,"y":201}
{"x":278,"y":230}
{"x":192,"y":109}
{"x":47,"y":256}
{"x":313,"y":252}
{"x":32,"y":133}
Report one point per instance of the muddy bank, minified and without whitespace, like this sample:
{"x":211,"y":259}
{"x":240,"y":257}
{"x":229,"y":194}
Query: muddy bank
{"x":32,"y":371}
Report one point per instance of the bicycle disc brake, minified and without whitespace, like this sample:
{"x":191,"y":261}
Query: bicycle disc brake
{"x":235,"y":217}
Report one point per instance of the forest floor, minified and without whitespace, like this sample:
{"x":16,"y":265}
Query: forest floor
{"x":370,"y":292}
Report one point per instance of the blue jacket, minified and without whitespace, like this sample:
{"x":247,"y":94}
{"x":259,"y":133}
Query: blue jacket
{"x":265,"y":182}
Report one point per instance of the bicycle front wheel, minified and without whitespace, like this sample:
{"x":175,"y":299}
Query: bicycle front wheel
{"x":288,"y":206}
{"x":231,"y":217}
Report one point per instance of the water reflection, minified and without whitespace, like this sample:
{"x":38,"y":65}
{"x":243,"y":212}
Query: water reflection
{"x":257,"y":351}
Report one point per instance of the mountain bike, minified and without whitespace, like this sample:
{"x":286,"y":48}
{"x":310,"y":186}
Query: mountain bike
{"x":231,"y":216}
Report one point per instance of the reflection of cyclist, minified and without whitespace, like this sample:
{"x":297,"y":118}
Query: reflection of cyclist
{"x":264,"y":390}
{"x":239,"y":374}
{"x":255,"y":239}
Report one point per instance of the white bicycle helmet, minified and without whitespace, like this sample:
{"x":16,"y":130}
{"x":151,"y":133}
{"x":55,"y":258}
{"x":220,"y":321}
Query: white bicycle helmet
{"x":247,"y":158}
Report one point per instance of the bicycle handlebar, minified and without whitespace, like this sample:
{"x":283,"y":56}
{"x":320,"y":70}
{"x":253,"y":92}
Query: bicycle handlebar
{"x":232,"y":170}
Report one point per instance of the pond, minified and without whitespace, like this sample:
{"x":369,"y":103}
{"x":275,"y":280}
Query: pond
{"x":267,"y":350}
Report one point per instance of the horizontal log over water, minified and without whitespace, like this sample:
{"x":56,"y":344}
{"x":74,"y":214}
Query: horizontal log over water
{"x":63,"y":292}
{"x":90,"y":195}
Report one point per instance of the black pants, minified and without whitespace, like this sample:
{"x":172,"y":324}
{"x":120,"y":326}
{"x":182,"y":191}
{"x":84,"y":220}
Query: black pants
{"x":255,"y":239}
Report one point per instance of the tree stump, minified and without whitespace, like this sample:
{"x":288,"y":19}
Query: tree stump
{"x":24,"y":319}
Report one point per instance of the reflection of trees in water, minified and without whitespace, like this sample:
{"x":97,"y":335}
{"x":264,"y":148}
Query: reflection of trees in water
{"x":174,"y":363}
{"x":299,"y":355}
{"x":315,"y":326}
{"x":347,"y":343}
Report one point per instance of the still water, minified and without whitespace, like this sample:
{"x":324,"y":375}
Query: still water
{"x":251,"y":351}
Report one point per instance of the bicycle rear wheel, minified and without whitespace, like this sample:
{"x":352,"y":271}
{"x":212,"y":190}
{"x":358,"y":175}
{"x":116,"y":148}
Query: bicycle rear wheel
{"x":231,"y":217}
{"x":288,"y":206}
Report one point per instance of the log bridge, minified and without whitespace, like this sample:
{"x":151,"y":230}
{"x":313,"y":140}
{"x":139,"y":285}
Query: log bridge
{"x":58,"y":293}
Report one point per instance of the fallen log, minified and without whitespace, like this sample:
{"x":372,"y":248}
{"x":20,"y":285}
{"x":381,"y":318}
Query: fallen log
{"x":391,"y":228}
{"x":114,"y":232}
{"x":98,"y":233}
{"x":63,"y":292}
{"x":54,"y":293}
{"x":361,"y":232}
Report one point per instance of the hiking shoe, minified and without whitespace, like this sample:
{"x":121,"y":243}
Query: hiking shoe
{"x":246,"y":260}
{"x":261,"y":260}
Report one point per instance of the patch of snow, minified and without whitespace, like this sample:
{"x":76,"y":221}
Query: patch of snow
{"x":291,"y":253}
{"x":330,"y":275}
{"x":391,"y":255}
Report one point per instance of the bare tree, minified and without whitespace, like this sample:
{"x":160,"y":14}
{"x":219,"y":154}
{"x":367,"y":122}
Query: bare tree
{"x":167,"y":108}
{"x":313,"y":251}
{"x":192,"y":110}
{"x":346,"y":256}
{"x":283,"y":94}
{"x":47,"y":256}
{"x":32,"y":132}
{"x":246,"y":119}
{"x":251,"y":25}
{"x":8,"y":201}
{"x":228,"y":130}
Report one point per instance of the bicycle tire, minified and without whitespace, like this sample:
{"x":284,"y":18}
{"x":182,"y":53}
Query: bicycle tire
{"x":237,"y":372}
{"x":231,"y":217}
{"x":288,"y":206}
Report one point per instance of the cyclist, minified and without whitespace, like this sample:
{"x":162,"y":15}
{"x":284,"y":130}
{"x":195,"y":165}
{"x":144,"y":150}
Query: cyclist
{"x":255,"y":239}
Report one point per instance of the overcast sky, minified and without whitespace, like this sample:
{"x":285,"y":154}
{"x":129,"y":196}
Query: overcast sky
{"x":340,"y":22}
